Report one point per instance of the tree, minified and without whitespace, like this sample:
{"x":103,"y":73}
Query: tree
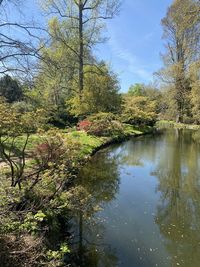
{"x":195,"y":96}
{"x":101,"y":92}
{"x":136,"y":89}
{"x":138,"y":110}
{"x":10,"y":89}
{"x":20,"y":41}
{"x":81,"y":22}
{"x":150,"y":91}
{"x":181,"y":31}
{"x":14,"y":125}
{"x":56,"y":80}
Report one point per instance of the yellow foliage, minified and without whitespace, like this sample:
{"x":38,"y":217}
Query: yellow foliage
{"x":138,"y":109}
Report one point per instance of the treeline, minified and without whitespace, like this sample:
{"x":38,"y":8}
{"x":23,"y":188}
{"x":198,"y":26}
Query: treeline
{"x":51,"y":79}
{"x":58,"y":71}
{"x":70,"y":83}
{"x":180,"y":76}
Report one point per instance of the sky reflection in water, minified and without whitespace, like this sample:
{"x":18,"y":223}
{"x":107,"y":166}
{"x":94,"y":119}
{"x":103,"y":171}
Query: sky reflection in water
{"x":149,"y":192}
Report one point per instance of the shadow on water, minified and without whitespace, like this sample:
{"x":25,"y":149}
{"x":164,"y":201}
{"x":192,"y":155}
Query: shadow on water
{"x":148,"y":190}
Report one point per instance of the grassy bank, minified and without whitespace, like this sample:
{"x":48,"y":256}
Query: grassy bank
{"x":171,"y":124}
{"x":49,"y":196}
{"x":90,"y":143}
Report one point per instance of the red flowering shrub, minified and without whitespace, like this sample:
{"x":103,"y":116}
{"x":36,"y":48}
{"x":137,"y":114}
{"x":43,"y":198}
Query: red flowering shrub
{"x":49,"y":152}
{"x":84,"y":125}
{"x":105,"y":124}
{"x":101,"y":124}
{"x":106,"y":128}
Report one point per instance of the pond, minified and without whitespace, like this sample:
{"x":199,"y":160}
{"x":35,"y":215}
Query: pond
{"x":147,"y":197}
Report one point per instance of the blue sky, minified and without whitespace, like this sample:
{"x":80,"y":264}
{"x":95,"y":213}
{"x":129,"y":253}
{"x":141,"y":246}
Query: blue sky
{"x":135,"y":39}
{"x":135,"y":42}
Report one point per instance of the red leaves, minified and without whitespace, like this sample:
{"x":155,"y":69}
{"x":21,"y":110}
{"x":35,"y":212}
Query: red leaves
{"x":84,"y":125}
{"x":49,"y":151}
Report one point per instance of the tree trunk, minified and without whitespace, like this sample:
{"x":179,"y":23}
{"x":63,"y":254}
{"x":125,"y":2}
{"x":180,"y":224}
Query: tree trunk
{"x":81,"y":75}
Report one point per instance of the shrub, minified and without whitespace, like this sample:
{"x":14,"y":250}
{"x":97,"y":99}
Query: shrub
{"x":49,"y":152}
{"x":104,"y":124}
{"x":139,"y":110}
{"x":84,"y":125}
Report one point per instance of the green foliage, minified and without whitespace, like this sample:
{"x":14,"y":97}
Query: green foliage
{"x":150,"y":91}
{"x":49,"y":95}
{"x":55,"y":257}
{"x":102,"y":116}
{"x":105,"y":124}
{"x":195,"y":96}
{"x":138,"y":110}
{"x":54,"y":83}
{"x":171,"y":124}
{"x":32,"y":222}
{"x":10,"y":89}
{"x":136,"y":90}
{"x":100,"y":93}
{"x":13,"y":125}
{"x":180,"y":28}
{"x":87,"y":143}
{"x":22,"y":107}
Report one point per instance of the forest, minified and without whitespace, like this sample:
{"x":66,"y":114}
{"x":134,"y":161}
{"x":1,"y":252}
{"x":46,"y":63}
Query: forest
{"x":60,"y":103}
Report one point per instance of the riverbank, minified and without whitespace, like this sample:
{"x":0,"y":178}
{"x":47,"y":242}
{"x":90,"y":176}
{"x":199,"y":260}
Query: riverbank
{"x":129,"y":182}
{"x":171,"y":124}
{"x":50,"y":195}
{"x":90,"y":144}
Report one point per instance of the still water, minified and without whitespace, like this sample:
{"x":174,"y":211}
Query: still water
{"x":146,"y":192}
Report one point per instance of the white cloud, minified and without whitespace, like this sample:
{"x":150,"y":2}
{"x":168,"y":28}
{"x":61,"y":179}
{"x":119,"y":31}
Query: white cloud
{"x":133,"y":64}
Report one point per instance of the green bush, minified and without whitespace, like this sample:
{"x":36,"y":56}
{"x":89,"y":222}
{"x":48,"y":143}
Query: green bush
{"x":105,"y":124}
{"x":139,"y":110}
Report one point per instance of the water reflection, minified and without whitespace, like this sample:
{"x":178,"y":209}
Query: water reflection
{"x":149,"y":190}
{"x":178,"y":212}
{"x":100,"y":178}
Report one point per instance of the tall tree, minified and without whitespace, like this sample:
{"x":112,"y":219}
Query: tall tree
{"x":101,"y":92}
{"x":181,"y":30}
{"x":195,"y":92}
{"x":81,"y":21}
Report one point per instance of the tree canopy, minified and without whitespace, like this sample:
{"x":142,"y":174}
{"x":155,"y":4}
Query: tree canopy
{"x":10,"y":89}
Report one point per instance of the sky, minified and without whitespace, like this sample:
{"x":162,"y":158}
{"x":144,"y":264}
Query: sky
{"x":134,"y":40}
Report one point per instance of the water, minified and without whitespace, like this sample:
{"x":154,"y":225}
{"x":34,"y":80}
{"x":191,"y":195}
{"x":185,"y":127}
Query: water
{"x":148,"y":190}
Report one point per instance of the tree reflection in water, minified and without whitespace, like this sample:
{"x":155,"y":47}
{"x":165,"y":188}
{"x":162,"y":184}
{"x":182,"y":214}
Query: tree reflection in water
{"x":178,"y":213}
{"x":170,"y":165}
{"x":100,"y":178}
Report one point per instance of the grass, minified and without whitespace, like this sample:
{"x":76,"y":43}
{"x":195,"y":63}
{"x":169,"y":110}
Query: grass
{"x":87,"y":143}
{"x":34,"y":139}
{"x":172,"y":124}
{"x":131,"y":130}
